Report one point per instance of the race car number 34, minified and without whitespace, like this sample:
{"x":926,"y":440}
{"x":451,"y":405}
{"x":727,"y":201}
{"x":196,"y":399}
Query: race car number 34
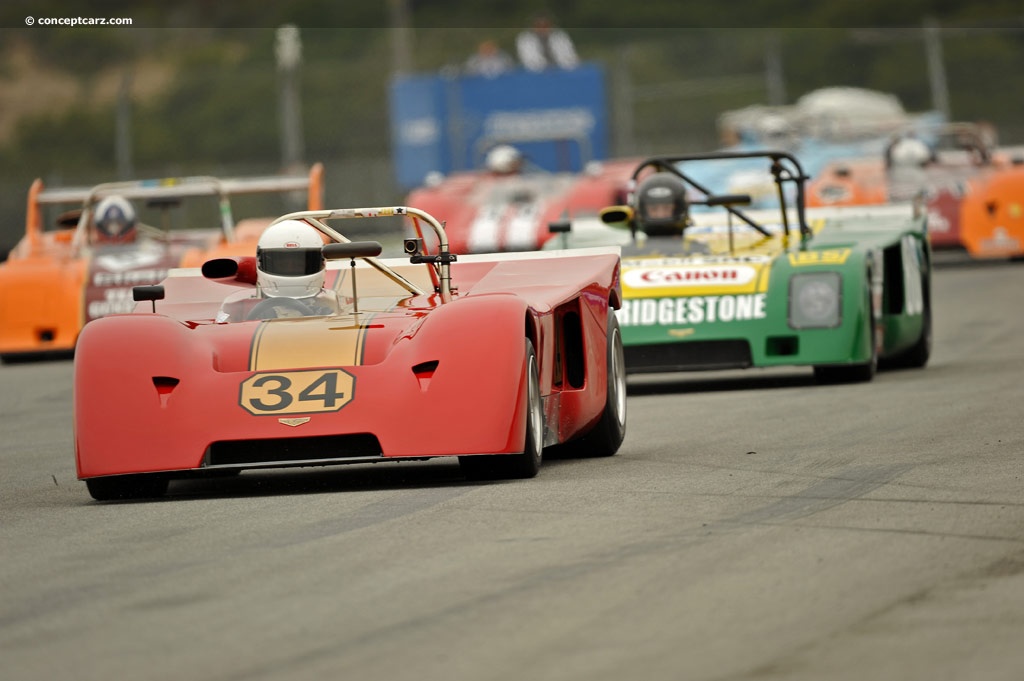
{"x":296,"y":392}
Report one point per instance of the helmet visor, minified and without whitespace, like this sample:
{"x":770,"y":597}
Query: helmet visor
{"x":290,"y":262}
{"x":659,"y":210}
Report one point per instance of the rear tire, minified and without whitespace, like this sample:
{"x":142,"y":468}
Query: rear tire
{"x":122,"y":487}
{"x":526,"y":464}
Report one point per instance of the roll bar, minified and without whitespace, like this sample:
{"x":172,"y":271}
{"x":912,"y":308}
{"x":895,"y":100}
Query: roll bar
{"x":440,"y":262}
{"x":785,"y":168}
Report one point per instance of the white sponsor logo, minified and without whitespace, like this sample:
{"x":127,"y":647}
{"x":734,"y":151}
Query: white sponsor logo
{"x":115,"y":301}
{"x":128,"y":278}
{"x":1001,"y":241}
{"x":539,"y":124}
{"x":691,"y":310}
{"x":129,"y":260}
{"x":937,"y":222}
{"x":724,"y":275}
{"x":691,"y":261}
{"x":420,"y":131}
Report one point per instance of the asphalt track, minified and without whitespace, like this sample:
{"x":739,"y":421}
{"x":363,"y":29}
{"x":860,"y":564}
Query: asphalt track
{"x":754,"y":526}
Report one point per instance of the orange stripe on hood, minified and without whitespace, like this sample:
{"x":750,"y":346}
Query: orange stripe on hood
{"x":300,"y":343}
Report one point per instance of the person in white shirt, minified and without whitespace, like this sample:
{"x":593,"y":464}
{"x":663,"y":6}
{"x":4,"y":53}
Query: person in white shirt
{"x":543,"y":46}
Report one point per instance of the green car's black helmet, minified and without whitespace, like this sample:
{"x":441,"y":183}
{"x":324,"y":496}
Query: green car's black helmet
{"x":661,"y":206}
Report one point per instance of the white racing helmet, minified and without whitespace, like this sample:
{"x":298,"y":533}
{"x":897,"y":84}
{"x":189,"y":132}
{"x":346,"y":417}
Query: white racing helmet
{"x":504,"y":159}
{"x":909,"y":152}
{"x":777,"y":132}
{"x":115,"y":220}
{"x":290,"y":260}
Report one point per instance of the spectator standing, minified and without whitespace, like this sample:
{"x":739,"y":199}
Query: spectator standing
{"x":489,"y":60}
{"x":543,"y":46}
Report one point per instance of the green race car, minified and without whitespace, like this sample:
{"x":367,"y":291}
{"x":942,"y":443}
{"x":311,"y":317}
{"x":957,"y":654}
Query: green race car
{"x":718,"y":273}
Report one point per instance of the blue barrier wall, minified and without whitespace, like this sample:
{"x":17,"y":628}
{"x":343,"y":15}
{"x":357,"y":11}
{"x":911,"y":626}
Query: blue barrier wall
{"x":444,"y":123}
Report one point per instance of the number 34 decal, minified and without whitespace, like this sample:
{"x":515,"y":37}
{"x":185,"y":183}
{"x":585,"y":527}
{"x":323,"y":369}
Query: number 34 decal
{"x":296,"y":392}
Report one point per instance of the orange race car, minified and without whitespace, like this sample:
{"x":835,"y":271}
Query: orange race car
{"x":974,"y":191}
{"x":120,"y":235}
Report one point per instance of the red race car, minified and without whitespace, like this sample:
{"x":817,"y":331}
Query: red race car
{"x":508,"y":206}
{"x":316,"y":352}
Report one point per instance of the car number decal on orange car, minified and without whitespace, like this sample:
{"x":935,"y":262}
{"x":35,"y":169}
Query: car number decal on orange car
{"x":297,"y":392}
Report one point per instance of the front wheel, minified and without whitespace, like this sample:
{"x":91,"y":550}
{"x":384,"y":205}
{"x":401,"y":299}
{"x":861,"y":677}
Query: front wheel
{"x":854,"y":373}
{"x":527,"y":463}
{"x":122,"y":487}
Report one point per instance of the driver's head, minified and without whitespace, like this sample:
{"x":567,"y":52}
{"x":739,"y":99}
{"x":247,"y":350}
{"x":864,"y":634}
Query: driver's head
{"x":115,"y":221}
{"x":661,"y":204}
{"x":777,"y":132}
{"x":290,"y":260}
{"x":909,"y":152}
{"x":504,"y":159}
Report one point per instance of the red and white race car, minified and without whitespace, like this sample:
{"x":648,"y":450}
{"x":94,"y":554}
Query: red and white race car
{"x":487,"y":358}
{"x":510,"y":208}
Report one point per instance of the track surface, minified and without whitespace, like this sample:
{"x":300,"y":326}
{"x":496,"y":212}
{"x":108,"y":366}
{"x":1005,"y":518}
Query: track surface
{"x":754,"y":526}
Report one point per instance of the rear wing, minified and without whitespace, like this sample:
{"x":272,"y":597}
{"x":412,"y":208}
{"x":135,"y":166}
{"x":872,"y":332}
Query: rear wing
{"x":173,"y":188}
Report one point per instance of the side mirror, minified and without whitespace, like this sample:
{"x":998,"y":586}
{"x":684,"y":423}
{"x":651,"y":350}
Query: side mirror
{"x":728,"y":200}
{"x":150,"y":293}
{"x":352,"y":249}
{"x":617,"y":216}
{"x":560,"y":227}
{"x":140,"y":293}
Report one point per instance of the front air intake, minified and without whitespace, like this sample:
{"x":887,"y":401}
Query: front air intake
{"x":321,"y":448}
{"x":689,"y":356}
